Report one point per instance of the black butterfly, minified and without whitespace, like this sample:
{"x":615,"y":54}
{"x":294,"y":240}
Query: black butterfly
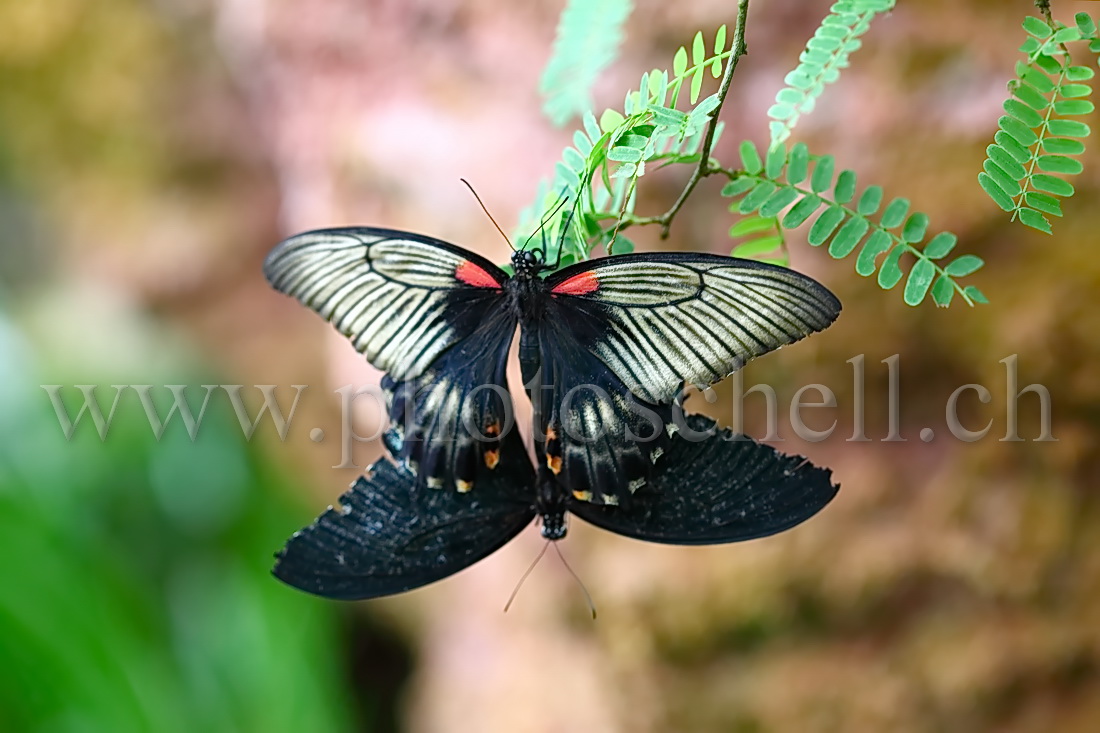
{"x":605,"y":345}
{"x":389,"y":535}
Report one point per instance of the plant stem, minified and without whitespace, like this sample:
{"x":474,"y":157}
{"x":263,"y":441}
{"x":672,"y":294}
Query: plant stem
{"x":704,"y":168}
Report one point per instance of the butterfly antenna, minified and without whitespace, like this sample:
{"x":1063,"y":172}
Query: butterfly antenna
{"x":546,"y":220}
{"x":587,"y":595}
{"x":483,"y":208}
{"x":515,"y":591}
{"x":564,"y":232}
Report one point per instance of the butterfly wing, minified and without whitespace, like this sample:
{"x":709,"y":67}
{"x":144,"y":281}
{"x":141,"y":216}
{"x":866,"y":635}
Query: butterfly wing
{"x":638,"y":327}
{"x":388,"y":535}
{"x":427,"y":313}
{"x":659,"y":320}
{"x":719,"y":489}
{"x":600,"y":440}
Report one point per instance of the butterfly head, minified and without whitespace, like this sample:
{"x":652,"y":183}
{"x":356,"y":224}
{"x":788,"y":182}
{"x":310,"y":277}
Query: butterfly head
{"x":528,"y":263}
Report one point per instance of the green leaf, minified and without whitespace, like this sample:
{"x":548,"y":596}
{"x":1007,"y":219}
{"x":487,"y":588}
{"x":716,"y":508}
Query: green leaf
{"x":1079,"y":73}
{"x":1025,"y":115}
{"x":1071,"y":91}
{"x":974,"y":294}
{"x":801,"y":211}
{"x":1006,"y":162}
{"x":702,"y":111}
{"x":920,"y":279}
{"x":738,"y":186}
{"x":943,"y":291}
{"x":1044,"y":203}
{"x":750,"y":159}
{"x":1059,"y":164}
{"x":610,"y":120}
{"x":1032,"y":101}
{"x":777,"y":158}
{"x":757,"y":246}
{"x":1018,"y":131}
{"x":575,"y":160}
{"x":1048,"y":64}
{"x":848,"y":237}
{"x":1068,"y":128}
{"x":915,"y":227}
{"x":778,"y":201}
{"x":822,"y":176}
{"x":697,"y":84}
{"x":1035,"y":220}
{"x":751,"y":225}
{"x":1007,"y":183}
{"x":876,"y":244}
{"x":1085,"y":25}
{"x":890,"y":273}
{"x":631,"y":140}
{"x":964,"y":265}
{"x":1036,"y":27}
{"x":825,"y":224}
{"x":698,"y":49}
{"x":1065,"y":35}
{"x":798,"y":163}
{"x":756,"y":197}
{"x":870,"y":200}
{"x":845,"y":186}
{"x":583,"y":146}
{"x":1063,"y":146}
{"x":680,"y":62}
{"x":623,"y":154}
{"x":1036,"y":78}
{"x":940,"y":245}
{"x":621,"y":246}
{"x":1073,"y":107}
{"x":995,"y":192}
{"x":591,"y":126}
{"x":1050,"y":184}
{"x":1018,"y":152}
{"x":895,"y":213}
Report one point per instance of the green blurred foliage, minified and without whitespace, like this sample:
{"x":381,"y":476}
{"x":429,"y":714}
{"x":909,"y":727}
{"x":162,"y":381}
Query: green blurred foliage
{"x":137,"y":593}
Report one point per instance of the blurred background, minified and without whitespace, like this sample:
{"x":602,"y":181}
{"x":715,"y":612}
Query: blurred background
{"x":152,"y":152}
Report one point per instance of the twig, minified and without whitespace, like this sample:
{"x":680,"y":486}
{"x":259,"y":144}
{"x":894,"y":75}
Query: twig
{"x":705,"y":168}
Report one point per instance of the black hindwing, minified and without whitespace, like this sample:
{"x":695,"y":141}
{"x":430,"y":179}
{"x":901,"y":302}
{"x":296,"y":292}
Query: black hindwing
{"x":717,"y":489}
{"x":387,"y":534}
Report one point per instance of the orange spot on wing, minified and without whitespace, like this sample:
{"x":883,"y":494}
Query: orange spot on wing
{"x":471,"y":274}
{"x":492,"y":458}
{"x":554,"y":464}
{"x":581,"y":284}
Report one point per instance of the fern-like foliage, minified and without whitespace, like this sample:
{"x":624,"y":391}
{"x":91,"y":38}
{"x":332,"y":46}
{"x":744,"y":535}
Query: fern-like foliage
{"x":821,"y":62}
{"x":802,"y":185}
{"x":588,"y":38}
{"x":595,"y":180}
{"x":1039,"y":133}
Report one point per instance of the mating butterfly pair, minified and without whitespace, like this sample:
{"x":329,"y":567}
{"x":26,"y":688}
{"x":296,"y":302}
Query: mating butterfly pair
{"x":605,"y":348}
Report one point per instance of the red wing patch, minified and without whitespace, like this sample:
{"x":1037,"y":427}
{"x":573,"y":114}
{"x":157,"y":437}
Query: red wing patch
{"x":581,"y":284}
{"x":471,"y":274}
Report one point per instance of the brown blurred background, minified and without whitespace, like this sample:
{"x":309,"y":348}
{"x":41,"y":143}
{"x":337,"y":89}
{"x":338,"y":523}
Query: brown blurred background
{"x":151,"y":153}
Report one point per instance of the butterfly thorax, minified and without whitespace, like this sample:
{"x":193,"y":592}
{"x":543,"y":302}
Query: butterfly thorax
{"x":526,"y":287}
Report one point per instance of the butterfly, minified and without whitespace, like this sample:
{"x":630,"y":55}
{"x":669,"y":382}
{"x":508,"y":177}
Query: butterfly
{"x":388,"y":535}
{"x":605,"y":346}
